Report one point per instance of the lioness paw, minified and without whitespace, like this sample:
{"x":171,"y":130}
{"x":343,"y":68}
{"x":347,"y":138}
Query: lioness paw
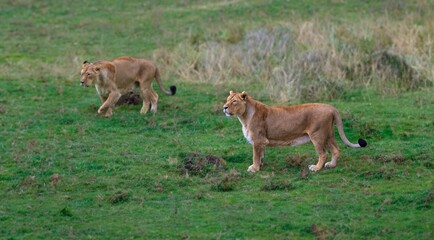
{"x":329,"y":165}
{"x":144,"y":110}
{"x":106,"y":113}
{"x":252,"y":169}
{"x":313,"y":168}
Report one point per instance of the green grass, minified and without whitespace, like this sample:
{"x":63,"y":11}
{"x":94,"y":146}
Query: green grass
{"x":66,"y":172}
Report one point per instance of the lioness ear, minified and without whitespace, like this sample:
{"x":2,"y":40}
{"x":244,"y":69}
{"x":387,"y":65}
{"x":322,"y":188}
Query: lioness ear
{"x":86,"y":62}
{"x":243,"y":95}
{"x":231,"y":92}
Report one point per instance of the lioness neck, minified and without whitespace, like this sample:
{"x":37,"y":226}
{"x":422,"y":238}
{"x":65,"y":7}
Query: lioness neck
{"x":248,"y":114}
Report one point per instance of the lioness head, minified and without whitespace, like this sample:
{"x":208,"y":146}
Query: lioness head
{"x":89,"y":73}
{"x":235,"y":104}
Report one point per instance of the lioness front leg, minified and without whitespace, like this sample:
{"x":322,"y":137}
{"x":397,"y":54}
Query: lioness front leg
{"x":108,"y":112}
{"x":258,"y":155}
{"x":106,"y":106}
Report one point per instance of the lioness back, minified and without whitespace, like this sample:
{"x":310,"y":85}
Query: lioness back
{"x":281,"y":119}
{"x":130,"y":68}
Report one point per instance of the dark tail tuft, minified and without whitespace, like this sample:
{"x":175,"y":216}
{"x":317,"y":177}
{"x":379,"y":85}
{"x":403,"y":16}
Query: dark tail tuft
{"x":173,"y":89}
{"x":363,"y":142}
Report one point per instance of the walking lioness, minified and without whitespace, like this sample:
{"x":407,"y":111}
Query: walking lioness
{"x":115,"y":78}
{"x":265,"y":126}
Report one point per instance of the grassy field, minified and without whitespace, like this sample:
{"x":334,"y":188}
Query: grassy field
{"x":67,"y":173}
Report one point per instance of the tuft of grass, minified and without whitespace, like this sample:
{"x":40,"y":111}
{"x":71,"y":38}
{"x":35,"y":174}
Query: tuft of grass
{"x":277,"y":185}
{"x":119,"y":197}
{"x":297,"y":160}
{"x":429,"y":199}
{"x":225,"y":181}
{"x":382,"y":174}
{"x":392,"y":158}
{"x":66,"y":211}
{"x":320,"y":232}
{"x":199,"y":164}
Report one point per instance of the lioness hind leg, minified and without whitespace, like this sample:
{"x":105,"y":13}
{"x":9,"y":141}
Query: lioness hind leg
{"x":336,"y":152}
{"x":145,"y":107}
{"x":146,"y":102}
{"x":262,"y":157}
{"x":322,"y":155}
{"x":154,"y":101}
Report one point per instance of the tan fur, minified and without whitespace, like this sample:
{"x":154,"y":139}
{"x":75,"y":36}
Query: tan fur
{"x":265,"y":126}
{"x":120,"y":76}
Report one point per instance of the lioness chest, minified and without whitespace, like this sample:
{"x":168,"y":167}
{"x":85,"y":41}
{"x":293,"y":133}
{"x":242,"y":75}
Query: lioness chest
{"x":246,"y":135}
{"x":102,"y":91}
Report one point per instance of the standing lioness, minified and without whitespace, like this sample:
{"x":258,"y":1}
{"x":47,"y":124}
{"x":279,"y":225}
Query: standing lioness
{"x":288,"y":126}
{"x":119,"y":76}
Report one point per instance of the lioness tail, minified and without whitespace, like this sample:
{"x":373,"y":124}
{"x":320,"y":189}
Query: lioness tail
{"x":170,"y":92}
{"x":360,"y":143}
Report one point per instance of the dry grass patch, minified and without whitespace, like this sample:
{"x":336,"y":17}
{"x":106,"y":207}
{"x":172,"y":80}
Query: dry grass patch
{"x":313,"y":60}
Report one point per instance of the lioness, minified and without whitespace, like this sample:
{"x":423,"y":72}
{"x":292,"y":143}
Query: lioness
{"x":121,"y":75}
{"x":288,"y":126}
